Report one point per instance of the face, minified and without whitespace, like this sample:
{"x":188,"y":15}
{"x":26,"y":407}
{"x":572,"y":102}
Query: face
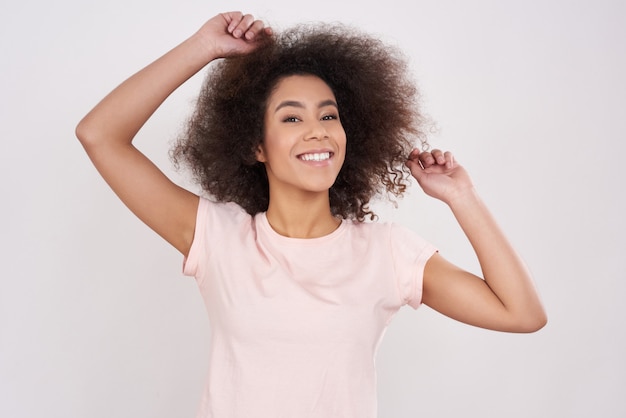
{"x":304,"y":144}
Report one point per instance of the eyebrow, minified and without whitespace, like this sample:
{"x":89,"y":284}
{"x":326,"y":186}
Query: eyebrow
{"x":294,"y":103}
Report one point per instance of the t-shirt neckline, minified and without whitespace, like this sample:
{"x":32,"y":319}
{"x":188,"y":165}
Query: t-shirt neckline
{"x":265,"y":224}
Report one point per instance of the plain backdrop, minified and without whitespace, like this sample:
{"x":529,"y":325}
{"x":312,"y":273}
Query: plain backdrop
{"x":97,"y":320}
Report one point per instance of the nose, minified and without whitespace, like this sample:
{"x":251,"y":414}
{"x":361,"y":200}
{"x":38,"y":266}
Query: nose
{"x":316,"y":131}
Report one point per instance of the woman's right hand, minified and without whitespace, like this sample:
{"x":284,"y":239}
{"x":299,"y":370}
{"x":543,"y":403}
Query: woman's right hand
{"x":232,"y":33}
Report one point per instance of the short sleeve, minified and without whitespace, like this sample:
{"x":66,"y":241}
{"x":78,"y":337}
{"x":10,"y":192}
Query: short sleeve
{"x":216,"y":222}
{"x":410,"y":253}
{"x":198,"y":245}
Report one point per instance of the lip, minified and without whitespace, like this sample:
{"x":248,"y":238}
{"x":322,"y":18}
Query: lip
{"x":316,"y":151}
{"x":316,"y":162}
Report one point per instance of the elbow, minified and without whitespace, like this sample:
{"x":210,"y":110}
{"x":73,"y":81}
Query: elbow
{"x":91,"y":132}
{"x":532,"y":323}
{"x":83,"y":132}
{"x":536,"y":326}
{"x":541,"y":322}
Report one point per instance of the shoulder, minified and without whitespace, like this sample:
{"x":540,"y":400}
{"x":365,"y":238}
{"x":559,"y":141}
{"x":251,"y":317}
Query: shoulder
{"x":396,"y":237}
{"x":208,"y":204}
{"x":379,"y":228}
{"x":220,"y":215}
{"x":216,"y":224}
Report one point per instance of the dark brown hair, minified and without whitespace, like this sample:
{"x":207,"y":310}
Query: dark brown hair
{"x":377,"y":100}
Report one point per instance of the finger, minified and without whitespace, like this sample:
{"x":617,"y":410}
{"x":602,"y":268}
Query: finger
{"x":439,"y":156}
{"x":243,"y":26}
{"x":414,"y":159}
{"x":449,"y":158}
{"x":238,"y":23}
{"x":233,"y":19}
{"x":427,"y":159}
{"x":414,"y":155}
{"x":257,"y":27}
{"x":416,"y":168}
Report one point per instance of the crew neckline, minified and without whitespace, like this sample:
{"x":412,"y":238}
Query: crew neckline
{"x":265,"y":224}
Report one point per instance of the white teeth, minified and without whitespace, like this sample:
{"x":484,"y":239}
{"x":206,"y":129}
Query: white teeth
{"x":319,"y":156}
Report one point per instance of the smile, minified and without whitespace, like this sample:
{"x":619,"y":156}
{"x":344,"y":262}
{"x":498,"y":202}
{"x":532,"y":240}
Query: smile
{"x":317,"y":156}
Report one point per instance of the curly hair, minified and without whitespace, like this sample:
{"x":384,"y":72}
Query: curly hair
{"x":377,"y":100}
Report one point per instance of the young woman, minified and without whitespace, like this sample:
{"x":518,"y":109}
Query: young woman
{"x":292,"y":136}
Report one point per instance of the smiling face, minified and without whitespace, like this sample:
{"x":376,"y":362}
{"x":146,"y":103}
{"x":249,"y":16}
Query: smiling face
{"x":304,"y":142}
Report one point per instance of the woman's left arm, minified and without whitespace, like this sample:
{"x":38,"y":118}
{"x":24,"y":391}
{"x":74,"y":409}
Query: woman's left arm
{"x":506,"y":299}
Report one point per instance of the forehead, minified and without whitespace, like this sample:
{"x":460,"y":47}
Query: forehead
{"x":300,"y":86}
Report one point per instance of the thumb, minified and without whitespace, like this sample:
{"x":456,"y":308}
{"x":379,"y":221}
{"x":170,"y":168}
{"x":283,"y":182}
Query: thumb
{"x":416,"y":169}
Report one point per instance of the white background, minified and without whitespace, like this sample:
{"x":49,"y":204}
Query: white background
{"x":96,"y":319}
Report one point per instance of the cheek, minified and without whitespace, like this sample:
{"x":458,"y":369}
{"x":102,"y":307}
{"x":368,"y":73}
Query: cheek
{"x":342,"y":141}
{"x":270,"y":150}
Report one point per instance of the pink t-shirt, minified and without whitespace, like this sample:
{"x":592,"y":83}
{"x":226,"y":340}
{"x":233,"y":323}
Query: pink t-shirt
{"x":295,"y":323}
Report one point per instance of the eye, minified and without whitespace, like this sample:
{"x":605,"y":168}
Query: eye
{"x":331,"y":116}
{"x":291,"y":119}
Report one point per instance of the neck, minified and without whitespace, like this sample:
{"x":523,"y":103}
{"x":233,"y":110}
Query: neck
{"x":303,"y":216}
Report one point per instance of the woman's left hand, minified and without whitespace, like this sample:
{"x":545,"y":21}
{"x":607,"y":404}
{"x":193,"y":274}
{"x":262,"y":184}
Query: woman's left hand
{"x":438,"y":174}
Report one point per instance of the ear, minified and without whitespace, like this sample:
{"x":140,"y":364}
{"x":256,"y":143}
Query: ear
{"x":260,"y":153}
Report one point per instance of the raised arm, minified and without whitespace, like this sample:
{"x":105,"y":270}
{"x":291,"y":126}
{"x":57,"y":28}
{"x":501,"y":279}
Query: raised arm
{"x":107,"y":131}
{"x":506,"y":299}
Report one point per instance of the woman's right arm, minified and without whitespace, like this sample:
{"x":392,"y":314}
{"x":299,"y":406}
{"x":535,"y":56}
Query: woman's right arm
{"x":107,"y":131}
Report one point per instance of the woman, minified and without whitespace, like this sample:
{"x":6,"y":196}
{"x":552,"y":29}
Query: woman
{"x":292,"y":136}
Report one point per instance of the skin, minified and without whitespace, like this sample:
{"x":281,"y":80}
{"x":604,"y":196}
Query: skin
{"x":300,"y":119}
{"x":506,"y":298}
